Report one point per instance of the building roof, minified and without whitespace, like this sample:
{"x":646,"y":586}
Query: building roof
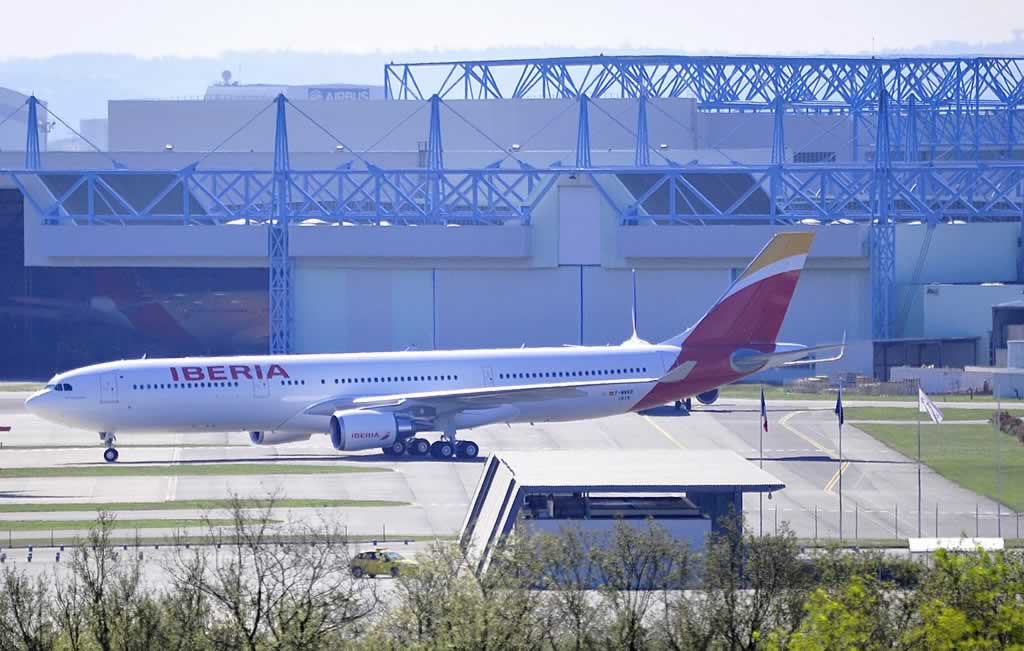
{"x":637,"y":470}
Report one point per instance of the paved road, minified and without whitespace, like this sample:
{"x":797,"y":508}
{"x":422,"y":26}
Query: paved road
{"x":879,"y":485}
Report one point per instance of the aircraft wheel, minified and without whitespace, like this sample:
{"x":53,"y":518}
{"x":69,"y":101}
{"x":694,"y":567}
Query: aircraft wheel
{"x":679,"y":405}
{"x":419,"y":447}
{"x":688,"y":403}
{"x":110,"y":455}
{"x":442,"y":450}
{"x":467,"y":449}
{"x":396,"y":449}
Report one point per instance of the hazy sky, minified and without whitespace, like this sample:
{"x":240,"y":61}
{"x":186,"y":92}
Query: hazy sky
{"x":152,"y":28}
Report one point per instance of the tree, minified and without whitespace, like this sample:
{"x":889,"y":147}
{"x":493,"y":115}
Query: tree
{"x":186,"y":608}
{"x":94,"y":565}
{"x":570,"y":572}
{"x":750,"y":586}
{"x":447,"y":603}
{"x":297,"y":594}
{"x":972,"y":601}
{"x":639,"y":565}
{"x":26,"y":616}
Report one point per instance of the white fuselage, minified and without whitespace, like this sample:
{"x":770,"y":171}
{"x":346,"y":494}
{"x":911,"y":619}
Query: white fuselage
{"x":271,"y":393}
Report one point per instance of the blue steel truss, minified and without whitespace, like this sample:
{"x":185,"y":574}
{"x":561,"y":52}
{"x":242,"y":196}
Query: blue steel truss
{"x":278,"y":256}
{"x":724,"y":82}
{"x":935,"y":140}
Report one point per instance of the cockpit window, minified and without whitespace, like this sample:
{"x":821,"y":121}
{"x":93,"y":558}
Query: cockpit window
{"x":67,"y":387}
{"x":59,"y":387}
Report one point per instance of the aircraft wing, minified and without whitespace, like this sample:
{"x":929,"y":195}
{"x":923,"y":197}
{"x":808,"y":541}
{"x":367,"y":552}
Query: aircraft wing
{"x":454,"y":400}
{"x":800,"y":356}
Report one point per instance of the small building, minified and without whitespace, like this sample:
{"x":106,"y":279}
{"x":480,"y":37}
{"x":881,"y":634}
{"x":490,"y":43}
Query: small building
{"x":688,"y":492}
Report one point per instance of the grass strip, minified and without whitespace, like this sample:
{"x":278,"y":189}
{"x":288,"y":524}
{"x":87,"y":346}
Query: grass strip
{"x":186,"y":469}
{"x":199,"y":505}
{"x":753,"y":391}
{"x":910,"y":414}
{"x":393,"y":539}
{"x":965,"y":454}
{"x":143,"y":523}
{"x":20,"y":386}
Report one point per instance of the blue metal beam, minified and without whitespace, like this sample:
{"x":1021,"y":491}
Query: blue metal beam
{"x":279,"y":258}
{"x":824,"y":192}
{"x":725,"y":82}
{"x":33,"y":160}
{"x":583,"y":135}
{"x":642,"y":157}
{"x":883,"y":233}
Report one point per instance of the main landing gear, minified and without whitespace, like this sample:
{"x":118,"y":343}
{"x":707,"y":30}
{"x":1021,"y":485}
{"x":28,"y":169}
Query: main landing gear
{"x":110,"y":454}
{"x":688,"y":404}
{"x":446,"y":448}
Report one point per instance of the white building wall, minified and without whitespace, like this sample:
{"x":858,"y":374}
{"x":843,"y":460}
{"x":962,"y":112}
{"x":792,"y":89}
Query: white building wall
{"x":965,"y":310}
{"x":341,"y":310}
{"x":959,"y":253}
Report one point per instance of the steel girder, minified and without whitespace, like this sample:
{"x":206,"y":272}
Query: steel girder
{"x":813,"y":193}
{"x":724,"y":82}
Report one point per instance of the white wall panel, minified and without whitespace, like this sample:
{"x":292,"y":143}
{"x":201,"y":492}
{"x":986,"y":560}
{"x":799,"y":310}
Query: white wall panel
{"x":360,"y":310}
{"x":488,"y":308}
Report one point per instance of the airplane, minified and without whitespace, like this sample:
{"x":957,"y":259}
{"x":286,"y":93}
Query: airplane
{"x":387,"y":400}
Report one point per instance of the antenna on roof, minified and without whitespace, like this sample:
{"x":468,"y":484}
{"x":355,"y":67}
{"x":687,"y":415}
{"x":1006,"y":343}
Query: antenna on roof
{"x":634,"y":339}
{"x":634,"y":304}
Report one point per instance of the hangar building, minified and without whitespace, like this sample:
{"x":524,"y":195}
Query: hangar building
{"x":505,"y":203}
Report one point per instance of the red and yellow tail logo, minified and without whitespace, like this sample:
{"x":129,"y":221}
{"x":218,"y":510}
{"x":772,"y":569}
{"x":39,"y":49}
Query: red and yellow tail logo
{"x":752,"y":310}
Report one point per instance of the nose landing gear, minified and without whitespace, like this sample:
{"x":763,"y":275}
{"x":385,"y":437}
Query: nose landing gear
{"x":110,"y":454}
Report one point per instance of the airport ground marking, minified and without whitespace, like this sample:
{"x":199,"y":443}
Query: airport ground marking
{"x":141,"y":523}
{"x":830,"y":486}
{"x":784,"y":421}
{"x":662,"y":430}
{"x":201,"y":505}
{"x":189,"y":469}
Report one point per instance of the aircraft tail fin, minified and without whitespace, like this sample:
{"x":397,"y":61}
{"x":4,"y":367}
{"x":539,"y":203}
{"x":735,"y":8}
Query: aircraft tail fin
{"x":752,"y":309}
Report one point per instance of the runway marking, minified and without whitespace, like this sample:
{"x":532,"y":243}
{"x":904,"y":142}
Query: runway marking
{"x":172,"y":481}
{"x":835,"y":478}
{"x":784,"y":421}
{"x":667,"y":435}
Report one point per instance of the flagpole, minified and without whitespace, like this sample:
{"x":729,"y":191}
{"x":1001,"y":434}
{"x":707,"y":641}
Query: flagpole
{"x":999,"y":467}
{"x":919,"y":458}
{"x":840,"y":460}
{"x":760,"y":462}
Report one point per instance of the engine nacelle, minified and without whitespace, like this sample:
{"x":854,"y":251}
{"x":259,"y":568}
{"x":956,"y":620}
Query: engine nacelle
{"x":708,"y":397}
{"x":277,"y":438}
{"x":362,"y":429}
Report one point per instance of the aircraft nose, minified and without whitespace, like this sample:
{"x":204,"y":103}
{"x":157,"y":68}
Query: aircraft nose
{"x":37,"y":402}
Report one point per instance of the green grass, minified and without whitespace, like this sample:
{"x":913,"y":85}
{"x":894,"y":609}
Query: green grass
{"x":145,"y":523}
{"x":186,"y":470}
{"x":21,"y":386}
{"x":965,"y":454}
{"x":201,"y":539}
{"x":771,"y":392}
{"x":201,"y":505}
{"x":911,"y":413}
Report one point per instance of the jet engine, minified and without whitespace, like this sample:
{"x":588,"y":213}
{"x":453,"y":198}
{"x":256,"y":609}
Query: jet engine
{"x":362,"y":429}
{"x":276,"y":438}
{"x":708,"y":397}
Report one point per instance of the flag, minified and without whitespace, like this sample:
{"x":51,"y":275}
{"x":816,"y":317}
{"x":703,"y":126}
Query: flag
{"x":839,"y":406}
{"x":764,"y":413}
{"x":926,"y":406}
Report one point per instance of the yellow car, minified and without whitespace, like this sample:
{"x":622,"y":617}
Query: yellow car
{"x":380,"y":561}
